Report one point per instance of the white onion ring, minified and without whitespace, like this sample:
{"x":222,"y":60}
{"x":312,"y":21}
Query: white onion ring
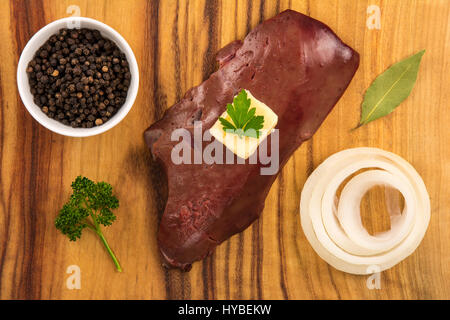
{"x":337,"y":234}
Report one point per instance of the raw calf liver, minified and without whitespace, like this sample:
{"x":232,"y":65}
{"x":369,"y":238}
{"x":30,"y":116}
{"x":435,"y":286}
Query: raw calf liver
{"x":294,"y":64}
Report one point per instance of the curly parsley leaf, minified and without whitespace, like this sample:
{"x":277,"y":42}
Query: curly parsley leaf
{"x":89,"y":206}
{"x":244,"y":121}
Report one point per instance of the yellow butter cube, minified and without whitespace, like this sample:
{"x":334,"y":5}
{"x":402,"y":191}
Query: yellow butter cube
{"x":245,"y":146}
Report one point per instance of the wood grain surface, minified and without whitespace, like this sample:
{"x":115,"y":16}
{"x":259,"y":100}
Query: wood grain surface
{"x":175,"y":42}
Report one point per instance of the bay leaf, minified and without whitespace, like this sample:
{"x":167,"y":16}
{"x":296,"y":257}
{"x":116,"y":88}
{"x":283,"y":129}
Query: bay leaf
{"x":390,"y":88}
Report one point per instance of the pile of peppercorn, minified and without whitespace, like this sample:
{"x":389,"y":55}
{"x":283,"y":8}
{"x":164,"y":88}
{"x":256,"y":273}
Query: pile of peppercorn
{"x":79,"y":78}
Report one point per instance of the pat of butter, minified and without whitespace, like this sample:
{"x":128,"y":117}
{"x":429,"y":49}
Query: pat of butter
{"x":245,"y":146}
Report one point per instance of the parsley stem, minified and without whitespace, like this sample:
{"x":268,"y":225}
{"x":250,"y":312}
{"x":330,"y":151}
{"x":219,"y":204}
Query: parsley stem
{"x":116,"y":262}
{"x":98,"y":230}
{"x":90,"y":226}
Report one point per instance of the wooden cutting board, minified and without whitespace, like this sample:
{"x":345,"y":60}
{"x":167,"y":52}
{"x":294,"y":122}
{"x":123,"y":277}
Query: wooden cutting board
{"x":175,"y":42}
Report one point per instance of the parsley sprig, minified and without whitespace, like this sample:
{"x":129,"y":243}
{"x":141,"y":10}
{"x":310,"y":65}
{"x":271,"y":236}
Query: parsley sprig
{"x":245,"y":122}
{"x":90,"y":206}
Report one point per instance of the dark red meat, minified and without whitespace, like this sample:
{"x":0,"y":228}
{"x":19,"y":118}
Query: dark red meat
{"x":294,"y":64}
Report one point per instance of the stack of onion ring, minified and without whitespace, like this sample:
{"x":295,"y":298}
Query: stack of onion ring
{"x":335,"y":229}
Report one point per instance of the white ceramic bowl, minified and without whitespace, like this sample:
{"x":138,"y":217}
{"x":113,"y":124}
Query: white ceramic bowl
{"x":39,"y":39}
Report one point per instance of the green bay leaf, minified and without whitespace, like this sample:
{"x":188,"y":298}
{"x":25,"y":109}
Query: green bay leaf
{"x":390,"y":88}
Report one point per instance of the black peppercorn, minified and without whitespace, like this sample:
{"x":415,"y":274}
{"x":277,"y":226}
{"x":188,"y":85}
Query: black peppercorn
{"x":79,"y":78}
